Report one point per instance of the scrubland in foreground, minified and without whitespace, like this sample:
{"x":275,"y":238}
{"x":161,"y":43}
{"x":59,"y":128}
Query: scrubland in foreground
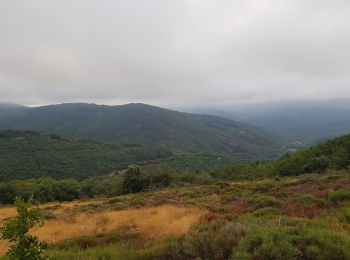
{"x":63,"y":222}
{"x":305,"y":217}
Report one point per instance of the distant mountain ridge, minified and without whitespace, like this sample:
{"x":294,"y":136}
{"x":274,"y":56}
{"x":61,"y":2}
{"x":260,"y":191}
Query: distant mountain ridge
{"x":307,"y":122}
{"x":146,"y":125}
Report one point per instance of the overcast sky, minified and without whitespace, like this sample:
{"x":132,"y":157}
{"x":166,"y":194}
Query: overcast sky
{"x":173,"y":52}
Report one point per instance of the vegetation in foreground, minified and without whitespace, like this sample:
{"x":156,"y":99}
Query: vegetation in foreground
{"x":15,"y":230}
{"x":305,"y":217}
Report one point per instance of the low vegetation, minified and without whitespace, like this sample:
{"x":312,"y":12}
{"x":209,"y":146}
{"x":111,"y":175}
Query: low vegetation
{"x":15,"y":230}
{"x":303,"y":217}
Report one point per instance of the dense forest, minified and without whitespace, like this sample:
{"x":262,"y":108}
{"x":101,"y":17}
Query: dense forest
{"x":28,"y":154}
{"x":333,"y":154}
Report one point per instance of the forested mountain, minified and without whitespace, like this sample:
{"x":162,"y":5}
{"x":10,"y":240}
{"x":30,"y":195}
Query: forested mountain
{"x":28,"y":154}
{"x":145,"y":125}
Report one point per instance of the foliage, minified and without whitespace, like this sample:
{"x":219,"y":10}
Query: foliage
{"x":339,"y":196}
{"x":132,"y":182}
{"x":212,"y":242}
{"x":293,"y":243}
{"x":289,"y":218}
{"x":332,"y":154}
{"x":41,"y":155}
{"x":24,"y":247}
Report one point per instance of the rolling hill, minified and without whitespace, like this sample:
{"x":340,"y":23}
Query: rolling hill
{"x":146,"y":125}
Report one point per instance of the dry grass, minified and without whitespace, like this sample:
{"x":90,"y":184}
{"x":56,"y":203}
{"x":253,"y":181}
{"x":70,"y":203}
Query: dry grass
{"x":155,"y":223}
{"x":7,"y":213}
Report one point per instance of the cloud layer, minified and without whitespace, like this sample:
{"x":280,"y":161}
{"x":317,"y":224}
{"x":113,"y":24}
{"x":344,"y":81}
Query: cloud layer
{"x":173,"y":52}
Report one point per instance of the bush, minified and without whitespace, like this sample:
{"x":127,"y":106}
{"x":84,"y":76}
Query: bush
{"x":15,"y":230}
{"x":339,"y":196}
{"x":66,"y":190}
{"x":293,"y":243}
{"x":344,"y":215}
{"x":309,"y":199}
{"x":318,"y":165}
{"x":264,"y":187}
{"x":265,"y":212}
{"x":261,"y":201}
{"x":132,"y":181}
{"x":206,"y":242}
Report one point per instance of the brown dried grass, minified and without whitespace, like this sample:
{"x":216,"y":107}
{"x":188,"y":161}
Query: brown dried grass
{"x":156,"y":223}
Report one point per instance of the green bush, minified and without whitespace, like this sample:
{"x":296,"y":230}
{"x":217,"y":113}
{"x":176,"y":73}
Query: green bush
{"x":206,"y":242}
{"x":15,"y":230}
{"x":309,"y":199}
{"x":344,"y":215}
{"x":264,"y":187}
{"x":339,"y":196}
{"x":265,"y":212}
{"x":293,"y":243}
{"x":261,"y":201}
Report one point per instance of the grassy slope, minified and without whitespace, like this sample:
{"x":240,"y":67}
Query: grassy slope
{"x":314,"y":208}
{"x":146,"y":125}
{"x":305,"y":217}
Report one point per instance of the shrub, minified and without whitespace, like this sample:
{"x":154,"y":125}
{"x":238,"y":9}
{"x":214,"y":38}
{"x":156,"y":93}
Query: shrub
{"x":318,"y":164}
{"x":204,"y":178}
{"x":339,"y":196}
{"x":293,"y":243}
{"x":132,"y":182}
{"x":261,"y":201}
{"x":309,"y":199}
{"x":265,"y":212}
{"x":265,"y":187}
{"x":206,"y":242}
{"x":297,"y":209}
{"x":344,"y":215}
{"x":15,"y":230}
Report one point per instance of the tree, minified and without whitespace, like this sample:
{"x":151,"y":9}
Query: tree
{"x":132,"y":182}
{"x":66,"y":190}
{"x":24,"y":247}
{"x":318,"y":164}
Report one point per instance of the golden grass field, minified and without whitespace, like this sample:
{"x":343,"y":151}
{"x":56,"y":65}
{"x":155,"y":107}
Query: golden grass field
{"x":155,"y":223}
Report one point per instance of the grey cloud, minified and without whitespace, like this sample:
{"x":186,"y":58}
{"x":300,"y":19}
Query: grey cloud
{"x":173,"y":52}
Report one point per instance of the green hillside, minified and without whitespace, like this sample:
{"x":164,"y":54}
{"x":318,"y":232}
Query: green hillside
{"x":27,"y":154}
{"x":334,"y":154}
{"x":146,"y":125}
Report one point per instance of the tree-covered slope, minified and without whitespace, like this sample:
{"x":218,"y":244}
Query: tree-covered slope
{"x":146,"y":125}
{"x":334,"y":154}
{"x":27,"y":154}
